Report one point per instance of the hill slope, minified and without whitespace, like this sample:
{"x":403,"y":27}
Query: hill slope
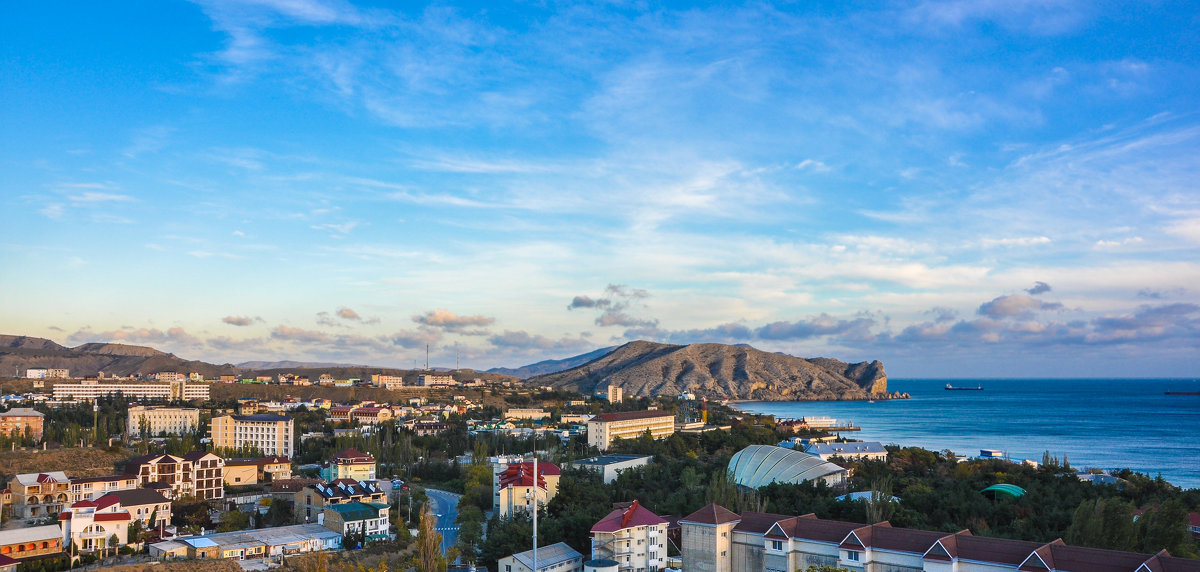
{"x":18,"y":353}
{"x":551,"y":365}
{"x":722,"y":371}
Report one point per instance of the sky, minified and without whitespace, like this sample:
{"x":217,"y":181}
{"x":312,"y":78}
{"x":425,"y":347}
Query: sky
{"x":958,"y":188}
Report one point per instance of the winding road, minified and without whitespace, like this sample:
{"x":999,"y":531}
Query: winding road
{"x":445,"y":505}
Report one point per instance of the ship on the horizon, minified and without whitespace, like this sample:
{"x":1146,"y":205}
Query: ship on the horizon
{"x":952,"y":388}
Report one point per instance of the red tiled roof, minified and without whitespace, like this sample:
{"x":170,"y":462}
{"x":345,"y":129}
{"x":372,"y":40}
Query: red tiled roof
{"x":635,"y":515}
{"x":631,"y":415}
{"x":44,"y":478}
{"x":353,"y":454}
{"x":713,"y":513}
{"x":106,"y":501}
{"x":521,"y":474}
{"x":111,"y":516}
{"x":84,"y":504}
{"x":64,"y":516}
{"x":1060,"y":556}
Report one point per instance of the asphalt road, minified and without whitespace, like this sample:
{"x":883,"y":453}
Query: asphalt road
{"x":446,"y":505}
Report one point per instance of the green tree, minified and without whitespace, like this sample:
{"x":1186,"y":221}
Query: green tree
{"x":429,"y":543}
{"x":1166,"y":527}
{"x":234,"y":520}
{"x":1103,"y":523}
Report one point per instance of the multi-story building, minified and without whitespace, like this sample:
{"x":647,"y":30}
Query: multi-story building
{"x":387,"y":381}
{"x":349,"y":464}
{"x":35,"y":373}
{"x":161,"y":420}
{"x":207,"y":474}
{"x":197,"y":474}
{"x":145,"y":505}
{"x":355,"y":517}
{"x":633,"y":537}
{"x":707,"y":539}
{"x":18,"y":421}
{"x":40,"y":494}
{"x":371,"y":415}
{"x":169,"y":376}
{"x":270,"y":434}
{"x":604,"y":428}
{"x":612,"y":393}
{"x":310,"y":502}
{"x":58,"y":373}
{"x":436,"y":380}
{"x":92,"y":488}
{"x":89,"y":526}
{"x":557,"y":557}
{"x":514,"y":488}
{"x":90,"y":390}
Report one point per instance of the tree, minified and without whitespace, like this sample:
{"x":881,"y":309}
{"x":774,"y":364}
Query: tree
{"x":470,"y":532}
{"x":1165,"y":527}
{"x":429,"y":543}
{"x":825,"y":568}
{"x":113,"y":542}
{"x":234,"y":520}
{"x":1103,"y":523}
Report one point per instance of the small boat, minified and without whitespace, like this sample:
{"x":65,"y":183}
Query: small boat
{"x":952,"y":388}
{"x":1182,"y":392}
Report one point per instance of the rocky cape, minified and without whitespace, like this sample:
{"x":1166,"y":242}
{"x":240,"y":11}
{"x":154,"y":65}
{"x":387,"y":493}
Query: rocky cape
{"x":719,"y":371}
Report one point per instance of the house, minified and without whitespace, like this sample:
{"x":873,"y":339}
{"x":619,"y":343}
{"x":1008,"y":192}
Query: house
{"x":356,"y":517}
{"x":514,"y":488}
{"x":39,"y":494}
{"x":197,"y":474}
{"x":90,"y":526}
{"x":31,"y":543}
{"x":261,"y":470}
{"x":349,"y":464}
{"x":310,"y":501}
{"x":707,"y":539}
{"x":145,"y":505}
{"x":634,"y":537}
{"x":92,"y":488}
{"x":556,"y":557}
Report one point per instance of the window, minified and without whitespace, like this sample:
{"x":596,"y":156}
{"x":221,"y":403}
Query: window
{"x":852,"y":555}
{"x":776,"y":545}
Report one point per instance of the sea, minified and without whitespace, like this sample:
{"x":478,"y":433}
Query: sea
{"x":1093,"y":423}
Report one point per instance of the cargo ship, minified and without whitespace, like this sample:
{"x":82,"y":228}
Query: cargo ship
{"x":952,"y":388}
{"x":1182,"y":392}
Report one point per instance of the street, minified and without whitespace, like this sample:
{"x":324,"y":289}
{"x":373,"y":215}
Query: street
{"x":445,"y":504}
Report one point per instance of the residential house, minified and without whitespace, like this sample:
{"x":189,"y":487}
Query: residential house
{"x":355,"y":517}
{"x":19,"y":421}
{"x":39,"y":494}
{"x":349,"y":464}
{"x":310,"y":501}
{"x":514,"y":488}
{"x":90,"y":526}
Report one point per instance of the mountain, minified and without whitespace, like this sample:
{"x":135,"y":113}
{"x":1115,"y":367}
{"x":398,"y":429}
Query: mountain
{"x":19,"y":353}
{"x":551,"y":365}
{"x":722,"y":371}
{"x":285,"y":364}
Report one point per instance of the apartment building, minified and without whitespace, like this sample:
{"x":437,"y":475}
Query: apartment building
{"x":633,"y":537}
{"x":604,"y":428}
{"x":349,"y":464}
{"x":387,"y":381}
{"x":532,"y":414}
{"x":514,"y":489}
{"x":92,"y":488}
{"x":197,"y":474}
{"x":240,"y":472}
{"x":207,"y":474}
{"x":17,"y":421}
{"x":91,"y":389}
{"x":436,"y":380}
{"x":271,"y":434}
{"x":161,"y":421}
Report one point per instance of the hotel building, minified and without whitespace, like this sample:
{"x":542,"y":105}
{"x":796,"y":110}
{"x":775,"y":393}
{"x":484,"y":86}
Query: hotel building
{"x":160,"y":420}
{"x":90,"y":390}
{"x":271,"y":434}
{"x":603,"y":428}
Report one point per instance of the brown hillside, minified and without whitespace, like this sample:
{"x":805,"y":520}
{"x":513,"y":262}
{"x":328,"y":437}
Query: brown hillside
{"x":722,"y":371}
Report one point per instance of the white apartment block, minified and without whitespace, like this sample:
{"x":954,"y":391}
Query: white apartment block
{"x":634,"y":537}
{"x":35,"y":373}
{"x":271,"y":434}
{"x":436,"y":380}
{"x":90,"y":390}
{"x":161,"y":420}
{"x":604,"y":428}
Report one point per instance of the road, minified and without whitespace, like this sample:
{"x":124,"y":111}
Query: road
{"x":446,"y":505}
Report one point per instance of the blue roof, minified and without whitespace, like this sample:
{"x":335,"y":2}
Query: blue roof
{"x":199,"y":541}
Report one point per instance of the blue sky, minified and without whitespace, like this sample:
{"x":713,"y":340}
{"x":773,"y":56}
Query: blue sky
{"x":957,"y":188}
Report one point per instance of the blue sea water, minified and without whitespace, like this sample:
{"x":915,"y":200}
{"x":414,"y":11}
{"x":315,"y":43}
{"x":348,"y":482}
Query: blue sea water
{"x":1101,"y":423}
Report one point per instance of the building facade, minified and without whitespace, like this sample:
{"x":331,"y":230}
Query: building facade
{"x":90,"y":390}
{"x":633,"y":537}
{"x":349,"y":464}
{"x":515,"y":491}
{"x":358,"y":518}
{"x":270,"y":434}
{"x":40,"y":494}
{"x":387,"y":381}
{"x":31,"y":542}
{"x":707,"y":539}
{"x":18,"y":421}
{"x":556,"y":557}
{"x":604,"y":428}
{"x":161,"y":421}
{"x":436,"y":380}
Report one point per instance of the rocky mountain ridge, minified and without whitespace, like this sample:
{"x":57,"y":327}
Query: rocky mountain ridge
{"x":720,"y":371}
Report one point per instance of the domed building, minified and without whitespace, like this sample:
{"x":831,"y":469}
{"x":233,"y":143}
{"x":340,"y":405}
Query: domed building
{"x":760,"y":465}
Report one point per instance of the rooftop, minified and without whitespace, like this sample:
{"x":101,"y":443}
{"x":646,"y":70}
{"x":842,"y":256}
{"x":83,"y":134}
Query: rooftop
{"x":549,"y":556}
{"x":630,"y":416}
{"x":635,"y":515}
{"x":603,"y":460}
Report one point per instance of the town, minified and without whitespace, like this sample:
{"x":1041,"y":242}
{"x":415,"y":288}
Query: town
{"x":432,"y":468}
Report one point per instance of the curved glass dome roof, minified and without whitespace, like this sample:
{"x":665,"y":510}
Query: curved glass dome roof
{"x":760,"y":465}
